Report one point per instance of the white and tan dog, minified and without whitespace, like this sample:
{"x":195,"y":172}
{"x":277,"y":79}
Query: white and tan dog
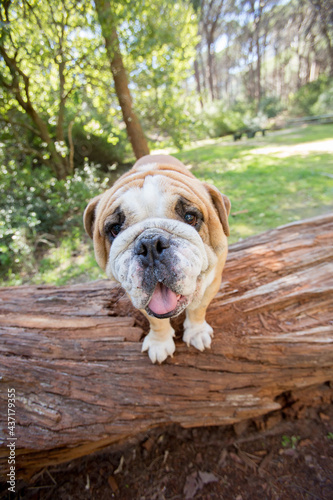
{"x":162,"y":234}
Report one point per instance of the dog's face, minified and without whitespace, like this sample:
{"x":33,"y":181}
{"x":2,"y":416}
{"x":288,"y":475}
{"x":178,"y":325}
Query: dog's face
{"x":159,"y":232}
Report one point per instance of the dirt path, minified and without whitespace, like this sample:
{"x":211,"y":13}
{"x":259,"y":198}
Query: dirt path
{"x":283,"y":151}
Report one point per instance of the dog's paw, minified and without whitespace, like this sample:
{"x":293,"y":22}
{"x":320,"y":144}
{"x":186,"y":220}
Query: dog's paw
{"x":158,"y":350}
{"x":198,"y":335}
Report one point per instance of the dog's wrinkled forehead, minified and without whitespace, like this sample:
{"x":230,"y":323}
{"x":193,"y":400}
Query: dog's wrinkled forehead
{"x":151,"y":200}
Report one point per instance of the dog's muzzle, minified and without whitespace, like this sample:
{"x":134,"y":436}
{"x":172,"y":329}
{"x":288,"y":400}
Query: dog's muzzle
{"x":157,"y":257}
{"x":158,"y":262}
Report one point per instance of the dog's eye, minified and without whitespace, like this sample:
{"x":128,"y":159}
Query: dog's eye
{"x":114,"y":225}
{"x":190,"y":219}
{"x":115,"y":229}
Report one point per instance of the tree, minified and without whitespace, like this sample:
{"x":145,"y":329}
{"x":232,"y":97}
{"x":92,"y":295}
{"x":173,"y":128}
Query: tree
{"x":39,"y":63}
{"x":161,"y":40}
{"x":269,"y":48}
{"x":158,"y":46}
{"x":210,"y":20}
{"x":324,"y":12}
{"x":259,"y":14}
{"x":108,"y":20}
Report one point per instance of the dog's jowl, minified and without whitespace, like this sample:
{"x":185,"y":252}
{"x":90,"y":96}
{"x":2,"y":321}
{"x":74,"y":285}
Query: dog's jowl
{"x":162,"y":234}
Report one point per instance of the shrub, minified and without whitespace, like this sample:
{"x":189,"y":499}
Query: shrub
{"x":103,"y":147}
{"x":35,"y":208}
{"x":324,"y":103}
{"x":170,"y":119}
{"x":304,"y":99}
{"x":221,"y":121}
{"x":270,"y":106}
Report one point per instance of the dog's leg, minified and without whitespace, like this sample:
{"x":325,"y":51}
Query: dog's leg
{"x":197,"y":331}
{"x":159,"y":341}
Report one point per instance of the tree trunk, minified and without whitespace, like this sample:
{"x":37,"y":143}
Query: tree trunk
{"x":197,"y":80}
{"x":324,"y":10}
{"x":60,"y":136}
{"x":210,"y":60}
{"x":257,"y":13}
{"x":133,"y":126}
{"x":73,"y":354}
{"x":203,"y":68}
{"x":258,"y":74}
{"x":58,"y":163}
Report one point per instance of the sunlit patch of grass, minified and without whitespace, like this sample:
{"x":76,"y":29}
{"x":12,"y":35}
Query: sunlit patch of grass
{"x":71,"y":261}
{"x":305,"y":133}
{"x":269,"y":190}
{"x":241,"y":230}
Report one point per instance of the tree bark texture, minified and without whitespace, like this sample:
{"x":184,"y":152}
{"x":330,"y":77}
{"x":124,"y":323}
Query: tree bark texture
{"x":73,"y":353}
{"x":133,"y":126}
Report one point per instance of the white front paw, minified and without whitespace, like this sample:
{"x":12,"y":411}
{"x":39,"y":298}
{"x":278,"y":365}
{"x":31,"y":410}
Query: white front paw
{"x":158,"y":350}
{"x":198,"y":335}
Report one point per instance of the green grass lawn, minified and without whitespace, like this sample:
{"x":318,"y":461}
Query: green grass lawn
{"x":272,"y":180}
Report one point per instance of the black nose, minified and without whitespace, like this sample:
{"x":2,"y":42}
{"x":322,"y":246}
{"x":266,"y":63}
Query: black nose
{"x":150,"y":249}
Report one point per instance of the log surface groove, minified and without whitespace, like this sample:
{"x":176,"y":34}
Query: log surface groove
{"x":73,"y":353}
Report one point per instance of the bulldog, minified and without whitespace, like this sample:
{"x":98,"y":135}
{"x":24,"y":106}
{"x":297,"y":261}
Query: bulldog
{"x":162,"y":234}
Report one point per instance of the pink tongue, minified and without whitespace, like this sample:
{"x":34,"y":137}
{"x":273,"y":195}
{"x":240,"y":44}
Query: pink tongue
{"x":163,"y":300}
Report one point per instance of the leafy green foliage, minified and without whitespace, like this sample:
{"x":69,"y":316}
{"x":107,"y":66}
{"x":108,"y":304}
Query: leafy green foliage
{"x":35,"y":210}
{"x":221,"y":120}
{"x":305,"y":99}
{"x":270,"y":106}
{"x":59,"y":62}
{"x":216,"y":120}
{"x":104,"y":147}
{"x":324,"y":103}
{"x":161,"y":49}
{"x":58,"y":49}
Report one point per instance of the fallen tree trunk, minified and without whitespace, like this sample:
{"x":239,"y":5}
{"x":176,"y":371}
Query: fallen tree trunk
{"x":73,"y":354}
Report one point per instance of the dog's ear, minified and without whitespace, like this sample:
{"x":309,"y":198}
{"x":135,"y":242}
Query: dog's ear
{"x":89,"y":215}
{"x":222,"y":204}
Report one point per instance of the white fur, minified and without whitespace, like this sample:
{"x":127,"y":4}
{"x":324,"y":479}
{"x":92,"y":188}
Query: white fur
{"x":158,"y":350}
{"x":159,"y":346}
{"x":146,"y":167}
{"x":148,"y":201}
{"x":199,"y":335}
{"x":178,"y":230}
